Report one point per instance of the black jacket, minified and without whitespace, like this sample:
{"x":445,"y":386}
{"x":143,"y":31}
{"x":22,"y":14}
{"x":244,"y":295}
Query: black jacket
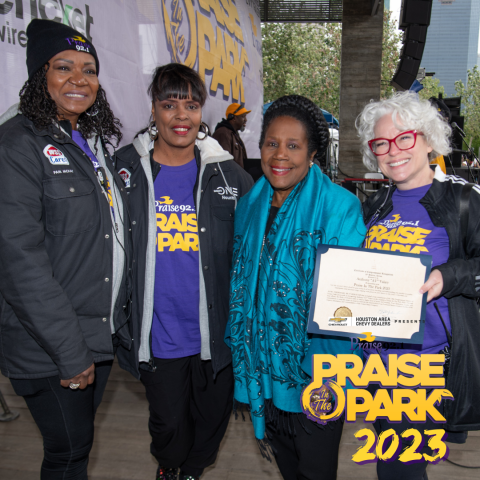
{"x":215,"y":231}
{"x":461,"y":285}
{"x":230,"y":141}
{"x":56,"y":247}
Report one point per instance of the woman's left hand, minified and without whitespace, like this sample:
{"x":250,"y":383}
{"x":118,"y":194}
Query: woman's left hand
{"x":434,"y":285}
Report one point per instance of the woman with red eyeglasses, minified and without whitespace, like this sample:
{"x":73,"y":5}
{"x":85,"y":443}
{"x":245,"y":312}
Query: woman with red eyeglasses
{"x":419,"y":213}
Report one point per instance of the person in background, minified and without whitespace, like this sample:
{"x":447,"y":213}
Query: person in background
{"x":64,"y":246}
{"x":420,"y":214}
{"x":226,"y":132}
{"x":279,"y":225}
{"x":183,"y":189}
{"x":440,"y":161}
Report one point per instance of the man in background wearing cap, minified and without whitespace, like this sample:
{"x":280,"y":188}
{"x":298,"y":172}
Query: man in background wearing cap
{"x":226,"y":132}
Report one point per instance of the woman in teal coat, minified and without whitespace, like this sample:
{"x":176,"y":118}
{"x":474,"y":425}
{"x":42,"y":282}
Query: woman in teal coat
{"x":279,"y":225}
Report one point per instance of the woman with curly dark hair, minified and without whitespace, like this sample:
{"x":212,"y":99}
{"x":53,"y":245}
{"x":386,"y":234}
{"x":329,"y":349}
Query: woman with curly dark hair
{"x":63,"y":246}
{"x":279,"y":225}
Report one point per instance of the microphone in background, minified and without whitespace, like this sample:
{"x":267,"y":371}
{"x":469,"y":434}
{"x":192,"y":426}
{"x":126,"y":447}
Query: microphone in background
{"x":455,"y":125}
{"x":442,"y":108}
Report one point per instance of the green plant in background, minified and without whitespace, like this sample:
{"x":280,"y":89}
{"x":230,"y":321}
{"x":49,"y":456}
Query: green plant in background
{"x":304,"y":59}
{"x":392,"y":39}
{"x":470,"y":94}
{"x":431,"y":88}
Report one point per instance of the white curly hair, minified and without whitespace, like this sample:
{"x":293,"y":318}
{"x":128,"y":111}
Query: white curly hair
{"x":409,"y":112}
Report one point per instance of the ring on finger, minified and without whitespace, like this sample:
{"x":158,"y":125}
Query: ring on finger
{"x":74,"y":386}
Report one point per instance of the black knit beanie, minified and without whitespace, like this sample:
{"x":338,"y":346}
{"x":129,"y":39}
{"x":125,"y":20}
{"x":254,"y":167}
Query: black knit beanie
{"x":46,"y":38}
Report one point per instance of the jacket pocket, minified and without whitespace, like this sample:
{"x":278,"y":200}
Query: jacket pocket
{"x":222,"y":220}
{"x":224,"y":212}
{"x":70,"y":206}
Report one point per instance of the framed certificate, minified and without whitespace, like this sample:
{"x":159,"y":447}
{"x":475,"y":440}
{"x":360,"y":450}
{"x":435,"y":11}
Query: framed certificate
{"x":358,"y":291}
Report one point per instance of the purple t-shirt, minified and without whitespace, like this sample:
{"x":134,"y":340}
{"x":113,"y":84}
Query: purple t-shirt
{"x":77,"y":137}
{"x":408,"y":228}
{"x":176,"y":322}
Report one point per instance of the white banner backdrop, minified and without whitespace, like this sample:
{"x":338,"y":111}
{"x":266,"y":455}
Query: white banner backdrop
{"x":221,"y":39}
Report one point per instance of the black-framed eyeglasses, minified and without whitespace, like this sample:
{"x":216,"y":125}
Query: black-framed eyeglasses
{"x":404,"y":141}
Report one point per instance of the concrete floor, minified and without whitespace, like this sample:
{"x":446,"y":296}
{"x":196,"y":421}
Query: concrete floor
{"x":121,"y":448}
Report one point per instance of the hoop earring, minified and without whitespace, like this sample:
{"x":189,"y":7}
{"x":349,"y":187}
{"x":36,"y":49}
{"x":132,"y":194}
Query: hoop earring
{"x":203,"y":129}
{"x":152,"y":130}
{"x":94,"y":109}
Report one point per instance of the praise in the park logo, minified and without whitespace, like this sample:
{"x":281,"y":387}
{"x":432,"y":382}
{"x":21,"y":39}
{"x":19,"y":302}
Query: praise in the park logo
{"x":416,"y":378}
{"x":191,"y":37}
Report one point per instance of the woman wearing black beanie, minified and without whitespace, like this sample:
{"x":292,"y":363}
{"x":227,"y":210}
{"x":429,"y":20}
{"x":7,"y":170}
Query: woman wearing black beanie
{"x":64,"y":246}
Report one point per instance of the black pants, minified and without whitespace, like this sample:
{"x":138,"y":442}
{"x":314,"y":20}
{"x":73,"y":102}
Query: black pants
{"x":189,"y":412}
{"x":303,"y":455}
{"x":65,"y":419}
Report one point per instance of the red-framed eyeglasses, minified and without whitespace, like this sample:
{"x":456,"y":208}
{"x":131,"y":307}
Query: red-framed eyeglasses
{"x":404,"y":141}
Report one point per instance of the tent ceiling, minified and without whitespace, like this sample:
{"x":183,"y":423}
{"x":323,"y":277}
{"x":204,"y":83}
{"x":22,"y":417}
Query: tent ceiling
{"x":307,"y":11}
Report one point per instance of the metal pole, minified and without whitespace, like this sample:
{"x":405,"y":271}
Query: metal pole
{"x":8,"y":414}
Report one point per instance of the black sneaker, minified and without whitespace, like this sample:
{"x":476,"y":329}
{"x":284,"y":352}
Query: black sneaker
{"x":166,"y":473}
{"x":184,"y":476}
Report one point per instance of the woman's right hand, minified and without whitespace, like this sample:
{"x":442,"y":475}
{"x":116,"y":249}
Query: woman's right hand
{"x":85,"y":378}
{"x":434,"y":285}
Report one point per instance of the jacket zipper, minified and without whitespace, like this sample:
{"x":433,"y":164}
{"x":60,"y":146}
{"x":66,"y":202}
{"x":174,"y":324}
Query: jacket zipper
{"x":195,"y":191}
{"x":151,"y":362}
